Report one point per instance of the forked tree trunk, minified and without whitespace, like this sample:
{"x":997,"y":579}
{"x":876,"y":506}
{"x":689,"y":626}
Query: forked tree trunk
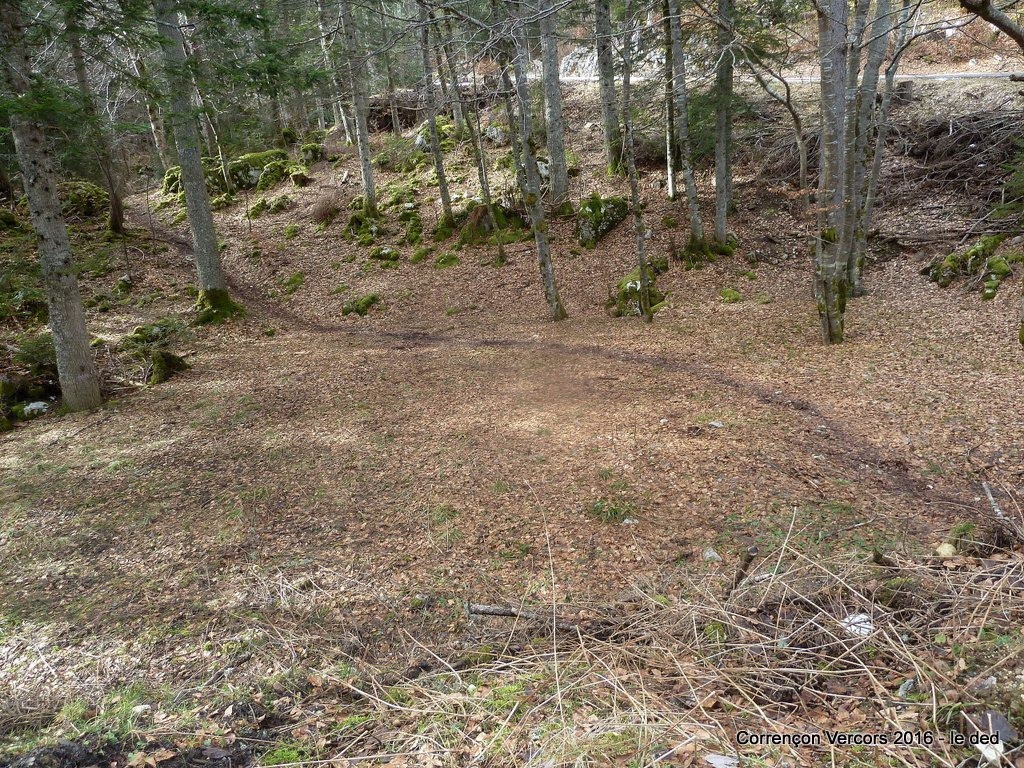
{"x":606,"y":82}
{"x":559,"y":175}
{"x":531,"y":192}
{"x":214,"y":303}
{"x":830,"y":276}
{"x":634,"y":185}
{"x":76,"y":368}
{"x":357,"y":82}
{"x":435,"y":141}
{"x":96,"y":129}
{"x":682,"y":125}
{"x":723,"y":122}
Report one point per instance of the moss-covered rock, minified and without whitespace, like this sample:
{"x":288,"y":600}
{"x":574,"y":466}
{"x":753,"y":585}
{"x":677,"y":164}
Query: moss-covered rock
{"x":625,"y":301}
{"x":507,"y":225}
{"x":83,"y":199}
{"x":968,"y":263}
{"x":446,"y":259}
{"x":8,"y":219}
{"x":597,"y":217}
{"x":221,"y":201}
{"x":312,"y":153}
{"x":245,"y":171}
{"x":279,"y":203}
{"x":447,"y":134}
{"x":365,"y":228}
{"x":731,"y":296}
{"x":361,"y":305}
{"x":164,"y":364}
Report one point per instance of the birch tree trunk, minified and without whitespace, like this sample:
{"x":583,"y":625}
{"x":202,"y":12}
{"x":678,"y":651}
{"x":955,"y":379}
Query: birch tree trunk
{"x":531,"y":192}
{"x":634,"y":185}
{"x":326,"y":37}
{"x":723,"y":122}
{"x":76,"y":369}
{"x":606,"y":82}
{"x":559,"y":175}
{"x":357,"y":82}
{"x":682,"y":125}
{"x":214,"y":303}
{"x":96,"y":128}
{"x":435,"y":141}
{"x":830,"y":275}
{"x":454,"y":89}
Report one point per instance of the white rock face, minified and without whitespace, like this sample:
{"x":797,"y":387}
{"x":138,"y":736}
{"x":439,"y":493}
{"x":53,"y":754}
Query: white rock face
{"x":38,"y":408}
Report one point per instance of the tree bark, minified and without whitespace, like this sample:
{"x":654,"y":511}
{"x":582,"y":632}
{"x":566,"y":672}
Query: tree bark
{"x":332,"y":68}
{"x":76,"y":369}
{"x":671,"y":141}
{"x":214,"y":302}
{"x":634,"y":185}
{"x":682,"y":125}
{"x":606,"y":82}
{"x":531,"y":192}
{"x":96,"y":129}
{"x":723,"y":122}
{"x":435,"y":141}
{"x":830,"y":275}
{"x":357,"y":82}
{"x":559,"y":174}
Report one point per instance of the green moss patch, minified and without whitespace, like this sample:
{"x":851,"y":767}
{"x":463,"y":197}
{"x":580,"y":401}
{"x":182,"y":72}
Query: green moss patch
{"x":361,"y":305}
{"x":446,"y":259}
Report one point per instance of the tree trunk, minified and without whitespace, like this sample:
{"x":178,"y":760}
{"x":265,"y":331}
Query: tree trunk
{"x":671,"y":142}
{"x":156,"y":122}
{"x":723,"y":122}
{"x":531,"y":192}
{"x":214,"y":302}
{"x":389,"y":73}
{"x":326,"y":38}
{"x":76,"y":369}
{"x":357,"y":82}
{"x":634,"y":185}
{"x":435,"y":142}
{"x":606,"y":81}
{"x":867,"y":124}
{"x":559,"y":175}
{"x":830,"y":276}
{"x":97,"y":131}
{"x":682,"y":125}
{"x":454,"y":90}
{"x":6,"y":189}
{"x":194,"y":51}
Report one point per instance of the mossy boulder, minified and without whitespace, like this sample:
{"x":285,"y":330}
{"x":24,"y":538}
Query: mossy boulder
{"x":480,"y":227}
{"x":164,"y":364}
{"x":968,"y":263}
{"x":446,"y":259}
{"x":246,"y":171}
{"x":625,"y":302}
{"x":8,"y":219}
{"x":401,"y":155}
{"x":83,"y":199}
{"x":731,"y":296}
{"x":221,"y":202}
{"x":364,"y":228}
{"x":312,"y":153}
{"x":597,"y":217}
{"x":447,"y":134}
{"x":150,"y":344}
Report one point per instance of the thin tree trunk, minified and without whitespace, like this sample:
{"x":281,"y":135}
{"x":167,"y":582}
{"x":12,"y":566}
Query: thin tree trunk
{"x":559,"y":174}
{"x":606,"y":82}
{"x":389,"y":73}
{"x":76,"y":369}
{"x":454,"y":90}
{"x":723,"y":122}
{"x":6,"y":189}
{"x":214,"y":302}
{"x":156,"y":122}
{"x":435,"y":142}
{"x":634,"y":185}
{"x":194,"y":51}
{"x":682,"y":125}
{"x":96,"y":129}
{"x":531,"y":192}
{"x":360,"y":100}
{"x":830,"y":276}
{"x":671,"y":143}
{"x":326,"y":38}
{"x":798,"y":126}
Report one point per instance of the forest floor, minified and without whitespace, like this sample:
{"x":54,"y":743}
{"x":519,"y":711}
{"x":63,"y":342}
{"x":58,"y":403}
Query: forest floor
{"x":317,"y":498}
